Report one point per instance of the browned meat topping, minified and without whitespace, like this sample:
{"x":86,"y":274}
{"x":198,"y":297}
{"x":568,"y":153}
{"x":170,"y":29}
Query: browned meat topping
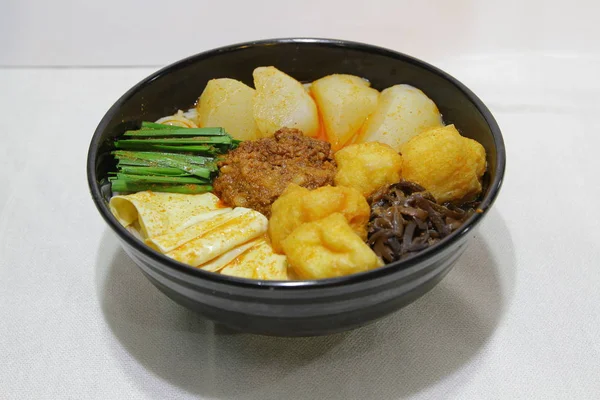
{"x":405,"y":219}
{"x":256,"y":173}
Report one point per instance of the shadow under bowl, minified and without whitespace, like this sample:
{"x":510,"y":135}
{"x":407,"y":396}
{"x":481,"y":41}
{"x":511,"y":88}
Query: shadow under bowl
{"x":295,"y":308}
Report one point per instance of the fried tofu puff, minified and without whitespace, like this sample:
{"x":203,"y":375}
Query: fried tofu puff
{"x":367,"y":166}
{"x":328,"y":248}
{"x":445,"y":163}
{"x":298,"y":205}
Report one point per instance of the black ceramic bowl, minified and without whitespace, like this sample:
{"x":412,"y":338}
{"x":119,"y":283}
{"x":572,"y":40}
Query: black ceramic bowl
{"x":296,"y":308}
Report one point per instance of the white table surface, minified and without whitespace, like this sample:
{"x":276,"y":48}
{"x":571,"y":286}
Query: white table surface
{"x":517,"y":318}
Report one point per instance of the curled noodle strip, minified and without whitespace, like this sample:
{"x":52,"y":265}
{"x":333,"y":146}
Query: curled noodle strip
{"x":178,"y":119}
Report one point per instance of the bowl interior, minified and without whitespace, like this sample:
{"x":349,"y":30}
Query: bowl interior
{"x":178,"y":87}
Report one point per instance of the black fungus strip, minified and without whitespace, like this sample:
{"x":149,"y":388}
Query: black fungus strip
{"x":406,"y":219}
{"x":409,"y":232}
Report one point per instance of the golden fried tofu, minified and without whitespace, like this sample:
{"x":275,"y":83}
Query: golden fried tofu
{"x":327,"y":248}
{"x":298,"y":205}
{"x":367,"y":166}
{"x":445,"y":163}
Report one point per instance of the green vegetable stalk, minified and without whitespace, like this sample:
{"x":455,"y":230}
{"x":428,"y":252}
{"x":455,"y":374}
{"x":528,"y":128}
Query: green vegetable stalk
{"x":169,"y":158}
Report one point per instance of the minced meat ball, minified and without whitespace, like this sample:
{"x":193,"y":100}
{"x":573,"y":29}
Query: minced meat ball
{"x":256,"y":173}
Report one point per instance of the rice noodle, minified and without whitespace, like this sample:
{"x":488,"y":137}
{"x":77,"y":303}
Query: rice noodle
{"x":178,"y":119}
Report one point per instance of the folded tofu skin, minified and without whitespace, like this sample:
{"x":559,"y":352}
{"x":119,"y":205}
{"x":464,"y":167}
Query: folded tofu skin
{"x":197,"y":230}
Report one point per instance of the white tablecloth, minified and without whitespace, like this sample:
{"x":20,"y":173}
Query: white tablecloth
{"x":517,"y":318}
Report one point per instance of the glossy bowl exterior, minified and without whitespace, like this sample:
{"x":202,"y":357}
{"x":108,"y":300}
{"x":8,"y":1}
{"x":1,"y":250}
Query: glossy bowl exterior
{"x":297,"y":308}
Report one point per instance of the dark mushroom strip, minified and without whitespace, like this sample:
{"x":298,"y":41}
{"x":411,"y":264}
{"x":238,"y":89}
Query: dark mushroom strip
{"x":435,"y":217}
{"x":378,"y":241}
{"x":417,"y":213}
{"x":407,"y":238}
{"x":382,"y":223}
{"x":405,"y":219}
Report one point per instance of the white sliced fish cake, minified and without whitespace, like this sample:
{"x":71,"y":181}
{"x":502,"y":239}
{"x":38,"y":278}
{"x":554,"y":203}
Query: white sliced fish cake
{"x":258,"y":262}
{"x":159,"y":213}
{"x":246,"y":226}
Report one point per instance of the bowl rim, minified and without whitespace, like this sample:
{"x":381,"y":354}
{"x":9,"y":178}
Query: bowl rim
{"x":403,"y":268}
